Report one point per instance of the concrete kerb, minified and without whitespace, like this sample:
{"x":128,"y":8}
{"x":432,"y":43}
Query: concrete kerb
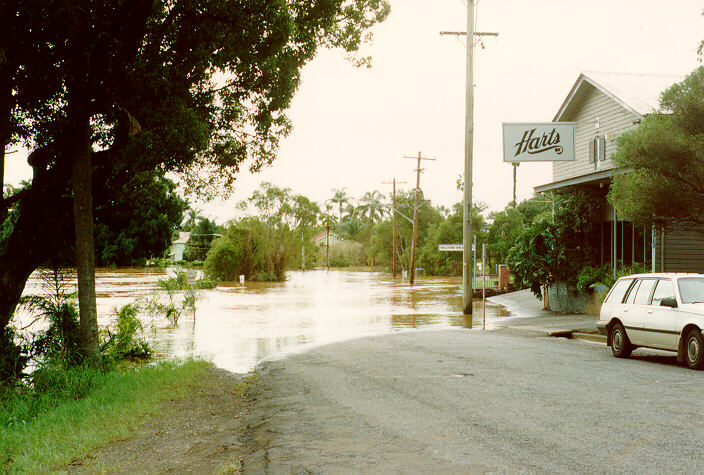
{"x":529,"y":315}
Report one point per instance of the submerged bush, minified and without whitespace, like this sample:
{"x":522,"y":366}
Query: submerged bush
{"x":347,"y":253}
{"x":122,"y":344}
{"x":60,"y":343}
{"x":248,"y":248}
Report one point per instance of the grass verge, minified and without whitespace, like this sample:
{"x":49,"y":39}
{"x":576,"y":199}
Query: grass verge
{"x":86,"y":409}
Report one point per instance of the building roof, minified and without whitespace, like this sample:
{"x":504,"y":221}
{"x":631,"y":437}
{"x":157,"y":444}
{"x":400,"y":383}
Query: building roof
{"x":322,"y":236}
{"x":602,"y":176}
{"x":639,"y":93}
{"x":183,"y":238}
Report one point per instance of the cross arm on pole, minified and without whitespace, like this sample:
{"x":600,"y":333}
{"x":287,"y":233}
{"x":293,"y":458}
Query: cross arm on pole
{"x":464,"y":33}
{"x":416,"y":157}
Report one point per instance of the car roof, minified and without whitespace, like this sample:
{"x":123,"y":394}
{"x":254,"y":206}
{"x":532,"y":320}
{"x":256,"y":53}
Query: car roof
{"x":671,"y":275}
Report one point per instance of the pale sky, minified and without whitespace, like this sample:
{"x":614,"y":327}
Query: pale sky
{"x":352,"y":127}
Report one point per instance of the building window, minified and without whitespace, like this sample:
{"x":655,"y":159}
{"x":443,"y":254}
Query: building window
{"x":597,"y":150}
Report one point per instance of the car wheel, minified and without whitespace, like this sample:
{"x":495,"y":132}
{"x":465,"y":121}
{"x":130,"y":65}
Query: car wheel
{"x":694,"y":349}
{"x":620,"y":344}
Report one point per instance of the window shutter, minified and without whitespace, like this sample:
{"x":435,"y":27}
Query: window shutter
{"x":602,"y":148}
{"x":591,"y":151}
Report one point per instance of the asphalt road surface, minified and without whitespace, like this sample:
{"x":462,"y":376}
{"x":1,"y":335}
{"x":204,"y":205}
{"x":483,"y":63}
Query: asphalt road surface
{"x":467,"y":401}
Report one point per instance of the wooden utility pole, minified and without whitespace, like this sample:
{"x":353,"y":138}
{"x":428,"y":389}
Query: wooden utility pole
{"x":467,"y":268}
{"x":412,"y":273}
{"x":393,"y":218}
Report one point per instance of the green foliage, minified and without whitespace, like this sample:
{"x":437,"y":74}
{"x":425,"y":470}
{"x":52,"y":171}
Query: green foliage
{"x":590,"y":276}
{"x":13,"y":358}
{"x":339,"y":198}
{"x":59,"y":344}
{"x":664,"y":152}
{"x":137,"y":224}
{"x":178,"y":281}
{"x":372,"y":210}
{"x":121,"y":342}
{"x":507,"y":225}
{"x":347,"y":253}
{"x":262,"y":247}
{"x":449,"y":231}
{"x":429,"y":217}
{"x":250,"y":248}
{"x":69,"y":413}
{"x":549,"y":252}
{"x":202,"y":236}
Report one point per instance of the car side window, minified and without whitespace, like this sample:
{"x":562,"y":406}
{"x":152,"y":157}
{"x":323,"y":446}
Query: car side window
{"x":632,"y":294}
{"x":620,"y":288}
{"x":643,"y":294}
{"x":663,"y":290}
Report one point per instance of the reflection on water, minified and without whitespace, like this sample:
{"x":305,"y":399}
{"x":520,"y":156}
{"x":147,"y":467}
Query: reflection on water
{"x":236,"y":325}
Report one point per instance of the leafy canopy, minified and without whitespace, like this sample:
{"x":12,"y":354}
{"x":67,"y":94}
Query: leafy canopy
{"x":664,"y":157}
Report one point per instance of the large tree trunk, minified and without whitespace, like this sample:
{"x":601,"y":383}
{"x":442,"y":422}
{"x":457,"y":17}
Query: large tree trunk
{"x":85,"y":255}
{"x":38,"y":234}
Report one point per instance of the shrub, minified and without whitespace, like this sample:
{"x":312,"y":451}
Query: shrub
{"x":592,"y":275}
{"x":13,"y":358}
{"x":250,"y":248}
{"x":122,"y":344}
{"x":347,"y":253}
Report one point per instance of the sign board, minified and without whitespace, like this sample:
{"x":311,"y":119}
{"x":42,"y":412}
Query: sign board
{"x":191,"y":276}
{"x":452,"y":247}
{"x":539,"y":142}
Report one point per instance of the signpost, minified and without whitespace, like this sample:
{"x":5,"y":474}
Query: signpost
{"x":191,"y":276}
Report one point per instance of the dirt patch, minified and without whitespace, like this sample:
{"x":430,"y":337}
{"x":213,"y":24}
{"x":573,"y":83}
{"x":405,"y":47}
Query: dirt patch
{"x":202,"y":433}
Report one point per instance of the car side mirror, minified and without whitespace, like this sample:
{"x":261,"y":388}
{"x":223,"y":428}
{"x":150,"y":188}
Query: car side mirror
{"x":669,"y":302}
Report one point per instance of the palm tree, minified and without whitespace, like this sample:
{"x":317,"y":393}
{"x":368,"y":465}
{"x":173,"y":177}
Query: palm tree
{"x":340,"y":197}
{"x":327,"y":218}
{"x":373,"y":209}
{"x":192,"y":215}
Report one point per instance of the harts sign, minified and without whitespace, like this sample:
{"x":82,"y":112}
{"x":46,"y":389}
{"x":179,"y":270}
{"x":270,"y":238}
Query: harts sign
{"x":551,"y":141}
{"x":533,"y":145}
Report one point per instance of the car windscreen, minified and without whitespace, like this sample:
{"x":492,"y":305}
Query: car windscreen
{"x":691,"y":289}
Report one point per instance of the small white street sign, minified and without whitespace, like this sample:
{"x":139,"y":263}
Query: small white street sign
{"x":451,"y":247}
{"x":191,"y":276}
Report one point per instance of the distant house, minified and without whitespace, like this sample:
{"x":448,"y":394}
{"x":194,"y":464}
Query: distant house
{"x":320,"y":239}
{"x":178,"y":247}
{"x":603,"y":106}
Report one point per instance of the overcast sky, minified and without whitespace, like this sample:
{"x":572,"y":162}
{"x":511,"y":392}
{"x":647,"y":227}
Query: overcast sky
{"x":352,"y":127}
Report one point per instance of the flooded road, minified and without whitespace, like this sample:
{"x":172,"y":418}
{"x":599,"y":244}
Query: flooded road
{"x":237,"y":325}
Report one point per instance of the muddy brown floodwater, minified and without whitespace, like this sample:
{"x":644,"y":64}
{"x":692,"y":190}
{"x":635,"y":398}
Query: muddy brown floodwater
{"x":238,"y":325}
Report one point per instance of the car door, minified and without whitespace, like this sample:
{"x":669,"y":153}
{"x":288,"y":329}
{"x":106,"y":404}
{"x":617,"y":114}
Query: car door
{"x":660,"y":322}
{"x":636,"y":306}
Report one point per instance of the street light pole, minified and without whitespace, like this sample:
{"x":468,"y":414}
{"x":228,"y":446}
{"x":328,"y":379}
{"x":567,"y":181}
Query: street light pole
{"x":468,"y":271}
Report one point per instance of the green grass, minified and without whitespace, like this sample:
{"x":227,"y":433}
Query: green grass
{"x":86,"y":410}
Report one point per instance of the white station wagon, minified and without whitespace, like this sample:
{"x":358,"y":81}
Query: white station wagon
{"x":664,"y":311}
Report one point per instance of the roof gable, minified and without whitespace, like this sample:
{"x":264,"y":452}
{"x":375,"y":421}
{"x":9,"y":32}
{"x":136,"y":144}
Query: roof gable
{"x":637,"y":93}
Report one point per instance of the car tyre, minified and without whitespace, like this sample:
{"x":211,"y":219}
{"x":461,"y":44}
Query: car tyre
{"x":620,"y":344}
{"x":694,"y":349}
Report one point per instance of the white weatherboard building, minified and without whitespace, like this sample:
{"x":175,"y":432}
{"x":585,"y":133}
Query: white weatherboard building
{"x":178,"y":247}
{"x":603,"y":106}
